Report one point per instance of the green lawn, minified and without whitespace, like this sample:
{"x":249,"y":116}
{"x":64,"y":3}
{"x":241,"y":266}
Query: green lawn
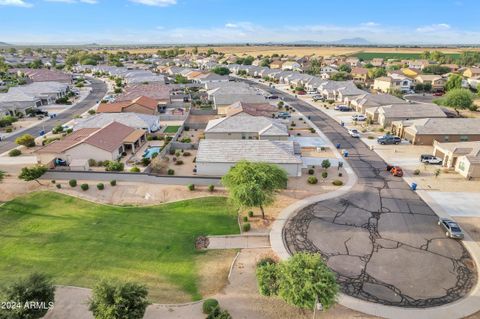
{"x":171,"y":129}
{"x":393,"y":55}
{"x":79,"y":242}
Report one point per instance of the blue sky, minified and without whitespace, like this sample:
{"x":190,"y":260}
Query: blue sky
{"x":228,"y":21}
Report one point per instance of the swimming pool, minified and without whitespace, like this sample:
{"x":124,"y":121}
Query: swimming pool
{"x":150,"y":151}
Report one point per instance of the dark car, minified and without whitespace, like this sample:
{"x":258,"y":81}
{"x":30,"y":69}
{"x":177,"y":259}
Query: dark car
{"x":452,"y":230}
{"x":272,"y":97}
{"x":342,"y":108}
{"x":389,"y":139}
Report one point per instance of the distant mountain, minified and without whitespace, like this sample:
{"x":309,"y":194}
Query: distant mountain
{"x":4,"y":44}
{"x":351,"y":41}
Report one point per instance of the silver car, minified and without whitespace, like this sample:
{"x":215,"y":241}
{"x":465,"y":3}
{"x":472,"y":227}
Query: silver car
{"x":452,"y":230}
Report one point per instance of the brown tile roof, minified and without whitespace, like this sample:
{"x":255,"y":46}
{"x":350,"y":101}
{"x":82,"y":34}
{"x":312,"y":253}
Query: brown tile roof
{"x":134,"y":136}
{"x":255,"y":109}
{"x":156,"y":91}
{"x":359,"y":71}
{"x":70,"y":140}
{"x":110,"y":137}
{"x":117,"y":107}
{"x":146,"y":102}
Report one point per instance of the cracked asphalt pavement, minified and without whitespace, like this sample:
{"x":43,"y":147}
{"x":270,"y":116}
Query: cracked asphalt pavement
{"x":381,"y":239}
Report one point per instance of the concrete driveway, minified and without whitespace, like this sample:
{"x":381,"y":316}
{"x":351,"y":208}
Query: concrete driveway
{"x":458,"y":204}
{"x":381,"y":238}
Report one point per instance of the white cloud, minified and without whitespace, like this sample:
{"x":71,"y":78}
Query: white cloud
{"x":156,"y":3}
{"x":15,"y":3}
{"x":74,"y":1}
{"x":434,"y":27}
{"x":231,"y":25}
{"x":370,"y":24}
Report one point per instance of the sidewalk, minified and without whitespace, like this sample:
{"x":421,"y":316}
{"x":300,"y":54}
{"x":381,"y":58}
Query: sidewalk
{"x":238,"y":241}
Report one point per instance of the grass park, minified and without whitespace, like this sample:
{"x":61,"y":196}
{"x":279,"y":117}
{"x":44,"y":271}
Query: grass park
{"x":79,"y":242}
{"x":171,"y":129}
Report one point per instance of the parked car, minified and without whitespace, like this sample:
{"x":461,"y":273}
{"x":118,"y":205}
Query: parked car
{"x":389,"y":139}
{"x":410,"y":92}
{"x":395,"y":170}
{"x":272,"y":97}
{"x":451,"y":228}
{"x":440,"y":93}
{"x":283,"y":115}
{"x":354,"y":133}
{"x":342,"y":108}
{"x":359,"y":117}
{"x":318,"y":98}
{"x":60,"y":162}
{"x":430,"y":159}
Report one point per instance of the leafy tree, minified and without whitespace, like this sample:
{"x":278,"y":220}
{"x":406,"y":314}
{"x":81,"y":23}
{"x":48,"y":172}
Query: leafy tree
{"x":3,"y":65}
{"x":195,"y":50}
{"x":304,"y":279}
{"x":119,"y":301}
{"x":478,"y":89}
{"x":340,"y":76}
{"x":35,"y":288}
{"x":180,"y":79}
{"x":2,"y":176}
{"x":221,"y":70}
{"x":268,"y":278}
{"x":115,"y":166}
{"x":427,"y":87}
{"x":326,"y":164}
{"x":436,"y":69}
{"x":469,"y":58}
{"x":454,"y":82}
{"x":314,"y":67}
{"x":36,"y":64}
{"x":265,"y":62}
{"x":25,"y":140}
{"x":254,"y":184}
{"x":32,"y":173}
{"x":345,"y":68}
{"x":374,"y":73}
{"x":458,"y":99}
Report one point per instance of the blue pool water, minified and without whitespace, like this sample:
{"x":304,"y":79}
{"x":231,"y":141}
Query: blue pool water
{"x":150,"y":151}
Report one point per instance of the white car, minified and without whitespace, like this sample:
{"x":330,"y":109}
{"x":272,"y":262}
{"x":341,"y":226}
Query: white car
{"x":359,"y":117}
{"x":354,"y":133}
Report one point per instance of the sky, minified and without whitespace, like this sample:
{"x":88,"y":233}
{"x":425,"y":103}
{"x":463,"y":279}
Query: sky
{"x":247,"y":21}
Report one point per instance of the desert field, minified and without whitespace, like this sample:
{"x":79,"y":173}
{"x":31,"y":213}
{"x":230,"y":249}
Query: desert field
{"x":307,"y":50}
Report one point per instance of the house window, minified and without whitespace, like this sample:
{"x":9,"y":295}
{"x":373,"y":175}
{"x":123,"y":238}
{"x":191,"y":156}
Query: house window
{"x":446,"y":138}
{"x":464,"y":138}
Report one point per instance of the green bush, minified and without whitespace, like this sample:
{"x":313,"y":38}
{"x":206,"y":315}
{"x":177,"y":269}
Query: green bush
{"x":245,"y":219}
{"x":246,"y":227}
{"x":53,"y":181}
{"x":211,"y":188}
{"x":311,"y":171}
{"x":14,"y":153}
{"x":312,"y":180}
{"x":59,"y":186}
{"x":179,"y":162}
{"x":250,"y":214}
{"x":191,"y":187}
{"x":337,"y":182}
{"x":416,"y":172}
{"x":146,"y":161}
{"x":267,"y":277}
{"x":72,"y":183}
{"x":135,"y":169}
{"x":324,"y":175}
{"x":100,"y":186}
{"x":115,"y":166}
{"x":187,"y":153}
{"x":209,"y":305}
{"x":113,"y":183}
{"x":84,"y":187}
{"x":170,"y":172}
{"x":25,"y":140}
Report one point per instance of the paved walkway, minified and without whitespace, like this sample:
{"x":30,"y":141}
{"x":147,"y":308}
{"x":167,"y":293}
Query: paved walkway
{"x":238,"y":241}
{"x":383,"y":280}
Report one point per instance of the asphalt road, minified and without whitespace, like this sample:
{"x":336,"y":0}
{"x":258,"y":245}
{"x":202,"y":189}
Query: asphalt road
{"x":381,"y":239}
{"x":99,"y":89}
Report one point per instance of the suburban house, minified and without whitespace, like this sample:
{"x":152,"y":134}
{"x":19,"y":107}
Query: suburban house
{"x":156,"y":91}
{"x":391,"y":83}
{"x":359,"y":74}
{"x":352,"y":61}
{"x":471,"y":72}
{"x":418,"y":64}
{"x":216,"y":157}
{"x":148,"y":123}
{"x":291,"y":65}
{"x":244,"y":126}
{"x":386,"y":114}
{"x":363,"y":102}
{"x":210,"y":77}
{"x":464,"y":157}
{"x":277,"y":64}
{"x":436,"y":81}
{"x":377,"y":62}
{"x":101,"y":144}
{"x":255,"y":109}
{"x":426,"y":131}
{"x":452,"y":67}
{"x":224,"y":95}
{"x":45,"y":75}
{"x":142,"y":105}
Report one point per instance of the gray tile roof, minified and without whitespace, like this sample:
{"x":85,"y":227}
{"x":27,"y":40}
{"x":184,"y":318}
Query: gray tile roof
{"x":244,"y":122}
{"x":233,"y":151}
{"x":445,"y":126}
{"x":410,"y":110}
{"x":134,"y":120}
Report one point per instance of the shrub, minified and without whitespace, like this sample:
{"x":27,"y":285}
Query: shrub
{"x":246,"y":227}
{"x":170,"y":172}
{"x":211,"y":188}
{"x":191,"y":187}
{"x":324,"y":175}
{"x":14,"y":153}
{"x":113,"y":182}
{"x":312,"y":130}
{"x":209,"y":305}
{"x":245,"y":219}
{"x":100,"y":186}
{"x":416,"y":172}
{"x":171,"y":151}
{"x":115,"y":166}
{"x":311,"y":171}
{"x":84,"y":187}
{"x":135,"y":169}
{"x":53,"y":181}
{"x":92,"y":162}
{"x":250,"y":214}
{"x":312,"y":180}
{"x":370,"y":137}
{"x":146,"y":161}
{"x":149,"y":138}
{"x":187,"y":153}
{"x":91,"y":112}
{"x":25,"y":140}
{"x":267,"y":277}
{"x":59,"y":186}
{"x":72,"y":183}
{"x":337,"y":182}
{"x":179,"y":162}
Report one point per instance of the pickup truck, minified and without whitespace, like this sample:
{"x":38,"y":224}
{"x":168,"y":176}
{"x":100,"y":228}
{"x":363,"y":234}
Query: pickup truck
{"x":389,"y":139}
